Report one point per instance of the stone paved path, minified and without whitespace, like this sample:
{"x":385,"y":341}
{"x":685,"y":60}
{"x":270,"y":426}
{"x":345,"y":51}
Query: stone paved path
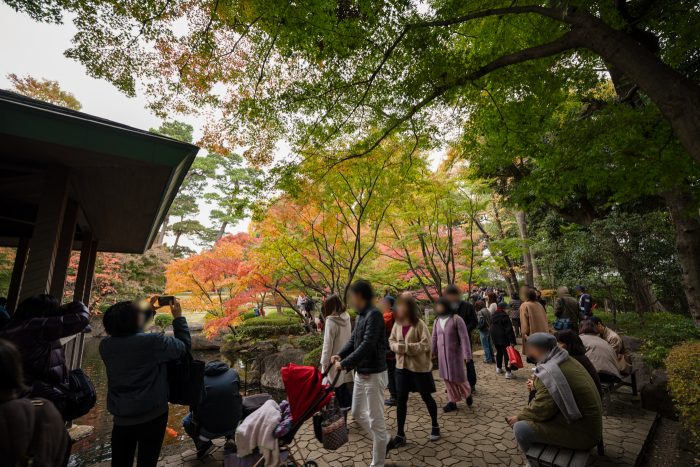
{"x":476,"y":437}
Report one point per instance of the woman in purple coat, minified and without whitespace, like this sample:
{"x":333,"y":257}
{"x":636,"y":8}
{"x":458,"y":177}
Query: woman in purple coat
{"x":452,"y":347}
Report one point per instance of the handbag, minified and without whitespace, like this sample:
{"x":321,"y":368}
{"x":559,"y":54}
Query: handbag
{"x":514,"y":359}
{"x":186,"y":381}
{"x":330,"y":427}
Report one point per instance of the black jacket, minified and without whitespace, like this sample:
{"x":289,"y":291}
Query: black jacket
{"x":137,"y":378}
{"x":502,"y":329}
{"x":220,"y":411}
{"x":465,"y":310}
{"x":365,"y":352}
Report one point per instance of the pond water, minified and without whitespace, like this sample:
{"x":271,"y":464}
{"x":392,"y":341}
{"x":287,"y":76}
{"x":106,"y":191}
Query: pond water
{"x":96,"y":447}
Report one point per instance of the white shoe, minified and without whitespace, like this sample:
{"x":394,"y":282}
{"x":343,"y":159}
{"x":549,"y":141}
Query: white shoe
{"x":499,"y":371}
{"x":510,"y":375}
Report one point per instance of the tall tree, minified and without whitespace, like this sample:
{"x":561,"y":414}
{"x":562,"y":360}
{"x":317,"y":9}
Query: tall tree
{"x":45,"y":90}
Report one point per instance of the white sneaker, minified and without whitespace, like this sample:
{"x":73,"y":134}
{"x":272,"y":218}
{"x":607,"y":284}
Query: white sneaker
{"x":510,"y":375}
{"x":499,"y":371}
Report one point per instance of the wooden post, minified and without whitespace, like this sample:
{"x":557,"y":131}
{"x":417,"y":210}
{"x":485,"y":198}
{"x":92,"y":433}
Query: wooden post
{"x":45,"y":239}
{"x":17,"y":274}
{"x":81,"y":277}
{"x":90,"y":273}
{"x":64,"y":250}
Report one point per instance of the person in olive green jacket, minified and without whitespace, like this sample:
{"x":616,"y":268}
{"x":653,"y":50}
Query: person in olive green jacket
{"x":567,"y":410}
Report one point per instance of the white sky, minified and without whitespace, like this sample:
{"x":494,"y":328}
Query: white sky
{"x":31,"y":48}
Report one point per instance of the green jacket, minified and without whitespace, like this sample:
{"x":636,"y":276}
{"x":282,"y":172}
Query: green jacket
{"x":544,"y":415}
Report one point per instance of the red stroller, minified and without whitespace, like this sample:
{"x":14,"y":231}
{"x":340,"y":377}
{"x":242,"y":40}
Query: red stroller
{"x":306,"y":395}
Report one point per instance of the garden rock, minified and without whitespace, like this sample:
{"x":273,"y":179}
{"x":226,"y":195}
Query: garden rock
{"x":655,"y":395}
{"x":200,"y":342}
{"x":271,"y":365}
{"x":632,"y":344}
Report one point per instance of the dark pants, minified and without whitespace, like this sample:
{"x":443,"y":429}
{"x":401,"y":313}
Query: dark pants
{"x":344,"y":396}
{"x":391,"y":373}
{"x":471,"y":374}
{"x":147,"y":437}
{"x":501,"y":356}
{"x":407,"y":381}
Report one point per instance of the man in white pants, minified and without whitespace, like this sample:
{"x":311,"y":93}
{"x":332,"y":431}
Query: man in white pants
{"x":365,"y":353}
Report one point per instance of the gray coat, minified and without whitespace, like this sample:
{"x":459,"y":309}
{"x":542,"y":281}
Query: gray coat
{"x":137,"y":384}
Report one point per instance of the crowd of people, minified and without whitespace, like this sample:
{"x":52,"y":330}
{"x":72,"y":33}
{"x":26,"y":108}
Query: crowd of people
{"x":390,"y":346}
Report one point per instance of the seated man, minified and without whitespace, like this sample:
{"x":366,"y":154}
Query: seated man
{"x":566,"y":410}
{"x":219,"y":412}
{"x":600,"y":353}
{"x":611,"y":337}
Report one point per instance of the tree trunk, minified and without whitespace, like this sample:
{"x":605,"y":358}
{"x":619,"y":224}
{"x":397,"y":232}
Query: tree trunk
{"x":527,"y":253}
{"x":677,"y":97}
{"x":637,"y":286}
{"x":686,"y":224}
{"x":177,"y":240}
{"x":222,"y":230}
{"x":160,"y":238}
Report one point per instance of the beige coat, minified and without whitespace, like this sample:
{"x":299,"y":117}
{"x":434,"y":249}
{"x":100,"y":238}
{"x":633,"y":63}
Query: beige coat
{"x":624,"y":363}
{"x":412,"y":352}
{"x":533,"y":318}
{"x":336,"y":334}
{"x":601,"y":354}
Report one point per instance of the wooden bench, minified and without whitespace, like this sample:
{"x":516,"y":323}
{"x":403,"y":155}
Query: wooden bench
{"x":542,"y":455}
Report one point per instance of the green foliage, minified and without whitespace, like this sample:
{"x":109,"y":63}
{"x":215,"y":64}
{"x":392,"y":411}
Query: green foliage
{"x":310,"y":342}
{"x":272,"y":320}
{"x":683,"y":364}
{"x":248,"y":315}
{"x":163,"y":320}
{"x":313,"y":357}
{"x":659,"y":332}
{"x":250,"y":332}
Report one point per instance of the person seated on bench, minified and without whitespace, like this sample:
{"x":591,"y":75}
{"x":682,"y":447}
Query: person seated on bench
{"x":566,"y":410}
{"x":571,"y":342}
{"x":624,"y":363}
{"x":600,"y":353}
{"x":219,"y":412}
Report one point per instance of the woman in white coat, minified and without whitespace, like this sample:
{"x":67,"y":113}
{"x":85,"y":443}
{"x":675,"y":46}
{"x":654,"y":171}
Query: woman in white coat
{"x":337,"y":333}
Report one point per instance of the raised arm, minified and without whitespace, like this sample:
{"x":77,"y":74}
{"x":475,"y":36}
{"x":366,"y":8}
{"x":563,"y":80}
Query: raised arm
{"x":74,"y":318}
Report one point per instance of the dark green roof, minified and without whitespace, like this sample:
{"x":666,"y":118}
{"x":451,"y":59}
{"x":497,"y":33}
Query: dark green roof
{"x":124,"y":178}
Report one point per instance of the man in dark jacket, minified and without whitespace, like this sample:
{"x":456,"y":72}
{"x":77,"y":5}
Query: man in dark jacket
{"x":465,"y":310}
{"x":365,"y":353}
{"x":219,"y":412}
{"x":36,"y":329}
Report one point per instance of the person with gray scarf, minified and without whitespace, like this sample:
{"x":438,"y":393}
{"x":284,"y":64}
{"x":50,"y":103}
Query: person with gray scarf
{"x":566,"y":410}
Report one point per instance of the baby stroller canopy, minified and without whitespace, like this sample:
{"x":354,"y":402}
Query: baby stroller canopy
{"x":305,"y":389}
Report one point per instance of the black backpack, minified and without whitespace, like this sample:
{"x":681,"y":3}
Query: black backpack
{"x":80,"y":395}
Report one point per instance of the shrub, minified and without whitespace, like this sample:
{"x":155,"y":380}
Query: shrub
{"x":310,"y":342}
{"x":248,"y":315}
{"x":266,"y":332}
{"x":163,"y":320}
{"x":272,"y":320}
{"x":659,"y":332}
{"x":683,"y":364}
{"x":313,"y":357}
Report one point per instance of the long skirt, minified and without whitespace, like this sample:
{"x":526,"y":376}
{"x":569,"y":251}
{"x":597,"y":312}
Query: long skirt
{"x":457,"y":391}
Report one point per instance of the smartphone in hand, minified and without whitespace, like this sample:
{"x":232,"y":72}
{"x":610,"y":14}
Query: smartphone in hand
{"x":165,"y":300}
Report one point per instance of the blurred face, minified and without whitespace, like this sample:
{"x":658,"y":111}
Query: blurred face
{"x":357,"y":302}
{"x":453,"y":298}
{"x":523,"y":293}
{"x":561,"y":345}
{"x":534,"y":353}
{"x":385,"y":305}
{"x":439,"y":309}
{"x":600,"y":328}
{"x":401,"y":312}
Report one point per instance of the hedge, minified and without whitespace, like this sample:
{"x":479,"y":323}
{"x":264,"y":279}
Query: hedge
{"x":273,"y":320}
{"x":313,"y":358}
{"x":163,"y":320}
{"x":310,"y":342}
{"x":266,"y":332}
{"x":683,"y":365}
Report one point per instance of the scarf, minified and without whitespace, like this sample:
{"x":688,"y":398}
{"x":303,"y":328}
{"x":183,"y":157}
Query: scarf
{"x":550,"y":374}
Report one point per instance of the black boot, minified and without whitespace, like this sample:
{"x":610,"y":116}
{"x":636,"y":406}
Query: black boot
{"x":450,"y":407}
{"x":395,"y":443}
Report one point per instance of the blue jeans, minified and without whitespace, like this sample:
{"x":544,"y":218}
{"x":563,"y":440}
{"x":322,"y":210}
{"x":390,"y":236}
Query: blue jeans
{"x":486,"y":344}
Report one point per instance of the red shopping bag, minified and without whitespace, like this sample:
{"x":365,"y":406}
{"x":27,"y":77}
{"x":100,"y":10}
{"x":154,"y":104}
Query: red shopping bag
{"x":514,"y":358}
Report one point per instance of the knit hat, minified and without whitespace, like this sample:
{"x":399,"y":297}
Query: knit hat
{"x":543,"y":340}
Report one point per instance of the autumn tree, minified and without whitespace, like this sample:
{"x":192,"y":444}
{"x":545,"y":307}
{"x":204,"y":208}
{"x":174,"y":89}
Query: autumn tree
{"x":45,"y":90}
